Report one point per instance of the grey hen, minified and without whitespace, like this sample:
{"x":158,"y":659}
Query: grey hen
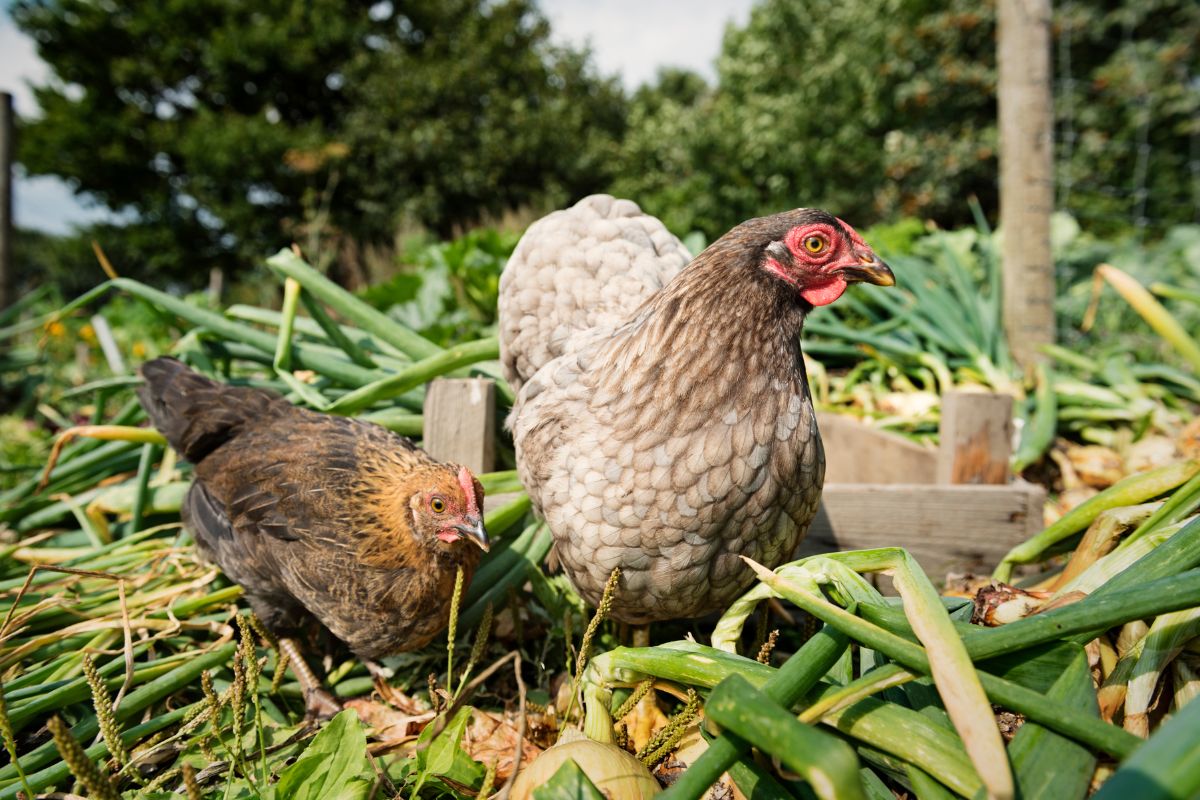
{"x":663,"y":423}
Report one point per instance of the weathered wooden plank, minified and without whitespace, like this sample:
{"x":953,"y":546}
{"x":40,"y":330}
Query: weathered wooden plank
{"x":975,"y":438}
{"x":492,"y":502}
{"x":962,"y":528}
{"x":460,"y":422}
{"x":856,"y":453}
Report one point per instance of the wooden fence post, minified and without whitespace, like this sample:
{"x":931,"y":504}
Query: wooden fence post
{"x":216,"y":282}
{"x":975,"y":438}
{"x":7,"y":147}
{"x":460,"y":422}
{"x":1026,"y":110}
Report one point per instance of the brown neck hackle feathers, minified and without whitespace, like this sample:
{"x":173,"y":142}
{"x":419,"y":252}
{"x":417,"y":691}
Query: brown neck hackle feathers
{"x":690,"y":349}
{"x":392,"y":497}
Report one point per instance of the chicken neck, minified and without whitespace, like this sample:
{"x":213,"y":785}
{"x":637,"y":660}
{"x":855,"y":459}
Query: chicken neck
{"x":722,"y":335}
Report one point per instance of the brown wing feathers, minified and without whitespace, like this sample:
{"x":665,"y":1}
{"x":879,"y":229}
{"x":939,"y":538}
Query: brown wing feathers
{"x":196,"y":414}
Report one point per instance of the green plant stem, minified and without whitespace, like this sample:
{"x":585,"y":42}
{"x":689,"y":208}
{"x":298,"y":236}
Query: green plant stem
{"x":1052,"y":714}
{"x":786,"y":686}
{"x":1153,"y":312}
{"x":827,"y":763}
{"x":335,"y":333}
{"x":420,"y":372}
{"x":303,"y":357}
{"x":145,"y":467}
{"x":135,"y":701}
{"x":1040,"y":427}
{"x":1166,"y":767}
{"x":1183,"y":501}
{"x":1080,"y":621}
{"x":1127,"y":492}
{"x":350,"y":307}
{"x":57,"y":773}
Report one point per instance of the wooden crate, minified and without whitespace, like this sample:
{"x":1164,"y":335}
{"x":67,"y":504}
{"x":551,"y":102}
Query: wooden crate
{"x":954,"y":508}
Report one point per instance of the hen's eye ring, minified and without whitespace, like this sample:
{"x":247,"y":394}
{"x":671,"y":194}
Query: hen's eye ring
{"x":814,"y":244}
{"x":438,"y":505}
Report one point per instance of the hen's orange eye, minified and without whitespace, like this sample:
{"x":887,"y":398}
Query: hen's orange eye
{"x":438,"y":505}
{"x":814,"y":244}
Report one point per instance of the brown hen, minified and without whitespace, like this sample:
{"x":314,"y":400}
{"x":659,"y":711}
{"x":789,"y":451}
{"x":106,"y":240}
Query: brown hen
{"x":663,"y":423}
{"x":319,"y":517}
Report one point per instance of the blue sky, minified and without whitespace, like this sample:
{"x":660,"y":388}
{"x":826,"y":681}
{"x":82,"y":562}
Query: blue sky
{"x":630,"y":38}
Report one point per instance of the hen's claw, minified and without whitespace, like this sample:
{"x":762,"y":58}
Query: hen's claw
{"x":320,"y":703}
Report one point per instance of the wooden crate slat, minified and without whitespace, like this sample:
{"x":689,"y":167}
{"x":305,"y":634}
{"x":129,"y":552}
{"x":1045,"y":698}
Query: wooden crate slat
{"x":952,"y":528}
{"x":880,"y":490}
{"x":855,"y":453}
{"x":975,"y":438}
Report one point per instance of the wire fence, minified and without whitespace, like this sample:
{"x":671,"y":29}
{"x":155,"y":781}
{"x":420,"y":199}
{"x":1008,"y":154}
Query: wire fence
{"x":1126,"y":192}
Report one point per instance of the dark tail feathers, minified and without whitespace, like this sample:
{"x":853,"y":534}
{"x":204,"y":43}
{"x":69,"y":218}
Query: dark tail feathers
{"x":197,"y":415}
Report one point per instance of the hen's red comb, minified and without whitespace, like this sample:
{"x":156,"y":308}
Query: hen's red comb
{"x":467,"y":481}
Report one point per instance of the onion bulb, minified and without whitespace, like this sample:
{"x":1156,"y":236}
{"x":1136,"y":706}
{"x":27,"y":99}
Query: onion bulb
{"x":614,"y":772}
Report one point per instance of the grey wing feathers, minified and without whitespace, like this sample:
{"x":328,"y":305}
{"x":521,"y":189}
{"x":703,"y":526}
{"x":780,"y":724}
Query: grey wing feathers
{"x":206,"y":517}
{"x":578,"y":271}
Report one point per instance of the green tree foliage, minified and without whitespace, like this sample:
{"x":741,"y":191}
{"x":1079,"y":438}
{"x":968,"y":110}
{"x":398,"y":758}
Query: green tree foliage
{"x":1128,"y":107}
{"x":837,"y":104}
{"x":225,"y":129}
{"x":883,"y":108}
{"x":476,"y":116}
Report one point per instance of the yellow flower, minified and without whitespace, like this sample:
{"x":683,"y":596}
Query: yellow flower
{"x":87,"y":334}
{"x":139,"y":350}
{"x":55,"y":329}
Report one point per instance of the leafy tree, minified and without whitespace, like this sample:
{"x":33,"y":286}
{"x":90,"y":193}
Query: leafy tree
{"x":1128,"y":108}
{"x":183,"y":111}
{"x":472,"y":112}
{"x":659,"y":155}
{"x":882,"y":108}
{"x":799,"y":116}
{"x":226,"y":129}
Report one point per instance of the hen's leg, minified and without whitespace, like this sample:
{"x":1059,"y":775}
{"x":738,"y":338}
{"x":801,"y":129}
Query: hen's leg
{"x":319,"y":703}
{"x":646,"y":718}
{"x":640,"y":636}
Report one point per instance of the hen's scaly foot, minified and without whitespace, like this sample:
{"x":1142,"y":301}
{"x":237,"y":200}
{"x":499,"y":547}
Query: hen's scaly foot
{"x":319,"y":702}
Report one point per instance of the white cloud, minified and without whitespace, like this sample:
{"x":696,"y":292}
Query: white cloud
{"x":46,"y":203}
{"x":19,"y":65}
{"x":41,"y":202}
{"x":634,"y":38}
